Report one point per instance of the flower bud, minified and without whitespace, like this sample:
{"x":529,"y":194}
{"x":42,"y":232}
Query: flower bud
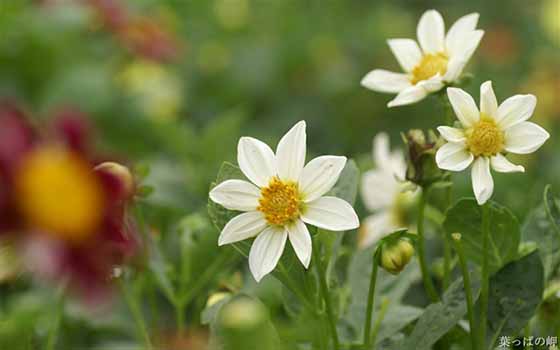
{"x":118,"y":179}
{"x":421,"y":157}
{"x":396,"y":255}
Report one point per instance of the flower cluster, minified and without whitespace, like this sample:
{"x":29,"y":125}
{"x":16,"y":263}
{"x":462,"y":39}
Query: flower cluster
{"x":65,"y":210}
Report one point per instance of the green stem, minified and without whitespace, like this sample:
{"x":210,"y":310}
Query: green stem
{"x":468,"y":289}
{"x":382,"y":312}
{"x":136,"y":314}
{"x":485,"y":277}
{"x":325,"y":295}
{"x":55,"y":328}
{"x":371,"y":301}
{"x":447,"y":252}
{"x":428,"y":283}
{"x":180,"y":317}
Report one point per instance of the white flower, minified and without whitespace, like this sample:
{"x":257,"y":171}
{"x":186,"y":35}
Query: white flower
{"x":284,"y":195}
{"x":441,"y":60}
{"x":384,"y":193}
{"x":484,"y":136}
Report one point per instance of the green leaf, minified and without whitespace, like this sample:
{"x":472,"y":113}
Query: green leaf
{"x":347,"y":185}
{"x":515,"y":292}
{"x":465,"y":217}
{"x":440,"y":317}
{"x":397,"y":317}
{"x":552,"y":210}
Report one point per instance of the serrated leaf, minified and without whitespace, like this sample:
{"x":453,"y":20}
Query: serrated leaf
{"x":440,"y":317}
{"x":465,"y":217}
{"x":515,"y":292}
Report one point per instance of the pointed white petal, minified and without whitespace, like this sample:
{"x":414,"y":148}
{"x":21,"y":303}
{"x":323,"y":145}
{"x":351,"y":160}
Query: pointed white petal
{"x":331,"y":213}
{"x":381,"y":151}
{"x":433,"y":84}
{"x":319,"y":176}
{"x":236,"y":195}
{"x":266,"y":251}
{"x":515,"y":110}
{"x":464,"y":106}
{"x":241,"y":227}
{"x":385,"y":81}
{"x":374,"y":228}
{"x":483,"y":184}
{"x":290,"y":153}
{"x":256,"y":160}
{"x":458,"y":60}
{"x":408,"y":96}
{"x":453,"y":157}
{"x":431,"y":32}
{"x":378,"y":189}
{"x":452,"y":134}
{"x":406,"y":51}
{"x":488,"y":102}
{"x":458,"y":30}
{"x":454,"y":69}
{"x":503,"y":165}
{"x":525,"y":137}
{"x":301,"y":241}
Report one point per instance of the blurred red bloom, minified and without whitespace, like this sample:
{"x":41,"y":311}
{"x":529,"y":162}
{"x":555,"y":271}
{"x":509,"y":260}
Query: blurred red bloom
{"x":67,"y":212}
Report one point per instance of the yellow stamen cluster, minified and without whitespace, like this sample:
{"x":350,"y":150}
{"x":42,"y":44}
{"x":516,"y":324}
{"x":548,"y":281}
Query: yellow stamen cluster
{"x":430,"y":65}
{"x":280,"y":202}
{"x":485,"y":138}
{"x":58,"y":194}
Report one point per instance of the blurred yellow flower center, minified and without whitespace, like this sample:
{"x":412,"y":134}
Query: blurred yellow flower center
{"x":485,"y":138}
{"x":59,"y":194}
{"x":430,"y":65}
{"x":280,"y":202}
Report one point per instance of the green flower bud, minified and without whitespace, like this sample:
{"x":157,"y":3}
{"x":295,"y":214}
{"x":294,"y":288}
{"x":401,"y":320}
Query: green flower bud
{"x":421,"y":157}
{"x":396,"y":255}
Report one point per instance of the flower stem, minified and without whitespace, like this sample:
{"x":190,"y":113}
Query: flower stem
{"x":371,"y":301}
{"x":468,"y":289}
{"x":382,"y":312}
{"x":485,"y":277}
{"x":55,"y":327}
{"x":428,"y":283}
{"x":136,"y":314}
{"x":325,"y":295}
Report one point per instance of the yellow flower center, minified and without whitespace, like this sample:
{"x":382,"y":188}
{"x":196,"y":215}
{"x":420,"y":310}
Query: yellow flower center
{"x":485,"y":138}
{"x":59,"y":194}
{"x":430,"y":65}
{"x":280,"y":202}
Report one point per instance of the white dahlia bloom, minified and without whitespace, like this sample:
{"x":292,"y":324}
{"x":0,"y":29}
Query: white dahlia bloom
{"x":484,"y":136}
{"x":281,"y":198}
{"x":384,"y":192}
{"x":438,"y":61}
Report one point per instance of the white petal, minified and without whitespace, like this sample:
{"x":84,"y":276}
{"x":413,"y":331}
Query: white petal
{"x":433,"y":84}
{"x":236,"y":195}
{"x":515,"y":110}
{"x":266,"y":251}
{"x":525,"y":137}
{"x":385,"y":81}
{"x":431,"y":32}
{"x":458,"y":30}
{"x":459,"y":60}
{"x":374,"y":228}
{"x":452,"y":134}
{"x":381,"y":151}
{"x":408,"y":96}
{"x":290,"y":153}
{"x":464,"y":106}
{"x":331,"y":213}
{"x":320,"y":175}
{"x":378,"y":189}
{"x":241,"y":227}
{"x":503,"y":165}
{"x":301,"y":241}
{"x":406,"y":51}
{"x":483,"y":184}
{"x":488,"y":102}
{"x":256,"y":160}
{"x":453,"y":157}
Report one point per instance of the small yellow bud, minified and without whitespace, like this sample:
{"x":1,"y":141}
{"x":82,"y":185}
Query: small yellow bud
{"x":396,"y":255}
{"x":124,"y":181}
{"x":456,"y":236}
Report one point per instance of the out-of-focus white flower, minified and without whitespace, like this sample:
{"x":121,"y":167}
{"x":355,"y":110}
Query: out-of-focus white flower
{"x":483,"y":136}
{"x":384,"y":192}
{"x":281,"y":198}
{"x":438,"y":60}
